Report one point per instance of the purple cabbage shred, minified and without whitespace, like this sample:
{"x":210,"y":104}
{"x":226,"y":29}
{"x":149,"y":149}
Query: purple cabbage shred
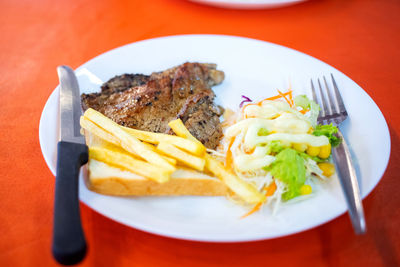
{"x":245,"y":99}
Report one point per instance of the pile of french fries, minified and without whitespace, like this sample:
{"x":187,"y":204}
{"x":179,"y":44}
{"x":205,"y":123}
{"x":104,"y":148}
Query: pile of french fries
{"x":156,"y":155}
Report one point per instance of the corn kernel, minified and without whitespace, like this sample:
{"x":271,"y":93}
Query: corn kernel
{"x":328,"y":169}
{"x":299,"y":147}
{"x":313,"y":151}
{"x":325,"y":151}
{"x":305,"y":189}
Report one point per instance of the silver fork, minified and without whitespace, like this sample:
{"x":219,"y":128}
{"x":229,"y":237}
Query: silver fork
{"x":333,"y":111}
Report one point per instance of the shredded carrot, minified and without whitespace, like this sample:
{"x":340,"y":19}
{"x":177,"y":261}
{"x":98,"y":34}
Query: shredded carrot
{"x":284,"y":96}
{"x":270,"y":191}
{"x":304,"y":111}
{"x":251,"y":104}
{"x":291,"y":98}
{"x":229,"y":159}
{"x":280,"y":95}
{"x":273,"y":97}
{"x":256,"y":208}
{"x":277,"y":96}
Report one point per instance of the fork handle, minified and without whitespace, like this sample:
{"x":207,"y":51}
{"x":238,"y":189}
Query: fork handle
{"x":348,"y":180}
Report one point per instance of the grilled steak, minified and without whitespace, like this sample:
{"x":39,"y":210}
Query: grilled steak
{"x":150,"y":102}
{"x":123,"y":82}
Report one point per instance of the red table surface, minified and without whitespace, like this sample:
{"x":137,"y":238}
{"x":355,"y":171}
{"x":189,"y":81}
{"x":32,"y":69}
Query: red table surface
{"x":359,"y":37}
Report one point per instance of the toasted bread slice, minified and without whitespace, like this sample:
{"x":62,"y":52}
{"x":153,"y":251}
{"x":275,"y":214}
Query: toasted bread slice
{"x":110,"y":180}
{"x":105,"y":179}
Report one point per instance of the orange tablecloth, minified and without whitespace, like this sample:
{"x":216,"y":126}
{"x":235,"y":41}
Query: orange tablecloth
{"x":359,"y":37}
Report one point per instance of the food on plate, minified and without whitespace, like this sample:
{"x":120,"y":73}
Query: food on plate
{"x":161,"y":135}
{"x":110,"y":176}
{"x":149,"y":103}
{"x":197,"y":148}
{"x":111,"y":150}
{"x":277,"y":146}
{"x":193,"y":161}
{"x":126,"y":141}
{"x":244,"y":190}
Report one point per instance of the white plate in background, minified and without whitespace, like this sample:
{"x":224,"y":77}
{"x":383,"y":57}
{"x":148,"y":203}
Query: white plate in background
{"x":248,"y":4}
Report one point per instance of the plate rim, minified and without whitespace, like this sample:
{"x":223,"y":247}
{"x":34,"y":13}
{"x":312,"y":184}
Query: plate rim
{"x":185,"y":237}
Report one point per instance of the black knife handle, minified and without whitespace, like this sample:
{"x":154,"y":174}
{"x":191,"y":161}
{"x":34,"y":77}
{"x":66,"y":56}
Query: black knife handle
{"x":69,"y":244}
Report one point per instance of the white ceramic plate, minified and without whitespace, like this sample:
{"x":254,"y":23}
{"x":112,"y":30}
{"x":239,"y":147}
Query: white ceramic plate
{"x":248,"y":4}
{"x":253,"y":68}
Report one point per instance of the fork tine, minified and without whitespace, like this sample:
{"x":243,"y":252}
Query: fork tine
{"x":331,"y":102}
{"x":338,"y":97}
{"x":325,"y":108}
{"x":314,"y":96}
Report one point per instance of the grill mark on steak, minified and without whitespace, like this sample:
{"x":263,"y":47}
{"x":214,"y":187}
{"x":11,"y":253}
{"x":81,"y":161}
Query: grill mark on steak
{"x":150,"y":102}
{"x":122,"y":82}
{"x":117,"y":84}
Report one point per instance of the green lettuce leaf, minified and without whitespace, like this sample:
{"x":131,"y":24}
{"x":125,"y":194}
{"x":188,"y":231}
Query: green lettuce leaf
{"x":274,"y":147}
{"x":289,"y":168}
{"x":329,"y":131}
{"x":302,"y":101}
{"x":315,"y":158}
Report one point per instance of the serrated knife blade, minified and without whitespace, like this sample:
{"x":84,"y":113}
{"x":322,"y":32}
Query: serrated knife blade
{"x":70,"y":106}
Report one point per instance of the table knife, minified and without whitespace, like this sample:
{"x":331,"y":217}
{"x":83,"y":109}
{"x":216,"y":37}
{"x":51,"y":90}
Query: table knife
{"x":69,"y":244}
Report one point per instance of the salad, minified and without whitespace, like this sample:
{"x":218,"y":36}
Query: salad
{"x":277,"y":146}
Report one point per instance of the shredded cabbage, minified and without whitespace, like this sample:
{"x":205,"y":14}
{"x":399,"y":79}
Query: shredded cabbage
{"x":306,"y":103}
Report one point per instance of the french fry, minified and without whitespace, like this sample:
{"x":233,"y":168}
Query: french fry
{"x":127,"y":141}
{"x":191,"y":146}
{"x":244,"y":190}
{"x":94,"y":140}
{"x":169,"y":159}
{"x":98,"y":131}
{"x":180,"y":130}
{"x":109,"y":141}
{"x":125,"y":161}
{"x":182,"y":156}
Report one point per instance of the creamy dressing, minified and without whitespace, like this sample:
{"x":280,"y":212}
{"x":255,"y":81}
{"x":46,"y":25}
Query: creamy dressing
{"x":263,"y":123}
{"x":255,"y":137}
{"x":253,"y":161}
{"x":287,"y":128}
{"x":252,"y":140}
